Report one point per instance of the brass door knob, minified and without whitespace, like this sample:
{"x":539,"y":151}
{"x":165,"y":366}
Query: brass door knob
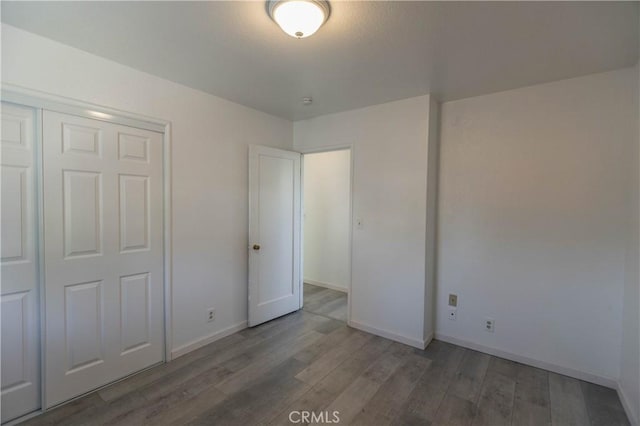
{"x":256,"y":246}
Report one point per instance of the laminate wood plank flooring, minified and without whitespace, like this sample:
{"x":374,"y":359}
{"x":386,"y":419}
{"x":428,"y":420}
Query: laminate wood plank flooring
{"x":314,"y":362}
{"x":325,"y":302}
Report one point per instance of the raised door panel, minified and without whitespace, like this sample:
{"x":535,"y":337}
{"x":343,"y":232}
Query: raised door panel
{"x":15,"y":341}
{"x":277,"y":210}
{"x":82,"y":211}
{"x":81,"y":140}
{"x":83,"y":326}
{"x":15,"y":217}
{"x":135,"y":309}
{"x":17,"y":127}
{"x":134,"y":213}
{"x":133,"y":147}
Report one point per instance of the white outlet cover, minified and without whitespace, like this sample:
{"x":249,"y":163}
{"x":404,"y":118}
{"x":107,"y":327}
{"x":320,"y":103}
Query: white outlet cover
{"x":489,"y":325}
{"x":453,"y":314}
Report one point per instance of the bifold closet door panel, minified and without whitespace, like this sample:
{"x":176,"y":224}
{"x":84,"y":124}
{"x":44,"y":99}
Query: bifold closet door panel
{"x":103,"y":233}
{"x":19,"y":299}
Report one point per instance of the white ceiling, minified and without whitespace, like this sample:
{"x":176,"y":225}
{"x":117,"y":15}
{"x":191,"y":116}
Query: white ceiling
{"x":367,"y":53}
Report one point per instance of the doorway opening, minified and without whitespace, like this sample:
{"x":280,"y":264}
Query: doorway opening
{"x":326,"y":245}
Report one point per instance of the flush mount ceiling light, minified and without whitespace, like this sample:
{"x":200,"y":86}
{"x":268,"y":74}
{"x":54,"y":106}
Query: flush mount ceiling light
{"x":299,"y":18}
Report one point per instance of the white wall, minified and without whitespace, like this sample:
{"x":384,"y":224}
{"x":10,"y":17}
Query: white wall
{"x":630,"y":357}
{"x":390,"y":195}
{"x":210,"y":137}
{"x":327,"y":193}
{"x":534,"y":187}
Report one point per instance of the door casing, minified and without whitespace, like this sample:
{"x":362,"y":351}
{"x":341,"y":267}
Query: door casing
{"x":330,"y":148}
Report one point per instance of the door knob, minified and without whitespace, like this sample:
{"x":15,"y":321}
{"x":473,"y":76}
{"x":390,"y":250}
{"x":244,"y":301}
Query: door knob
{"x":256,"y":246}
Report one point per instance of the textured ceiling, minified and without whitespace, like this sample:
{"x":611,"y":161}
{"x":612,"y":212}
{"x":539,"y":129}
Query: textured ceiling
{"x":367,"y":53}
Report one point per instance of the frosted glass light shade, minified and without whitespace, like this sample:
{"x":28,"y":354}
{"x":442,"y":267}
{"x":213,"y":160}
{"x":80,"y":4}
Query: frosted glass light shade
{"x":299,"y":18}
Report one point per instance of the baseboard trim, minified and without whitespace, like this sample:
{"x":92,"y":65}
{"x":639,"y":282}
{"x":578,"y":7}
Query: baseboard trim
{"x":198,"y":343}
{"x":577,"y":374}
{"x":426,"y":341}
{"x":326,"y":285}
{"x":26,"y":417}
{"x":627,"y":406}
{"x":416,"y":343}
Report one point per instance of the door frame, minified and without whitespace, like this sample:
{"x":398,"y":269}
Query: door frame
{"x":317,"y":150}
{"x":40,"y":101}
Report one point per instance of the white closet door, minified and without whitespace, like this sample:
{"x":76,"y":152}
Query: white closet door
{"x":103,"y":235}
{"x":19,"y":300}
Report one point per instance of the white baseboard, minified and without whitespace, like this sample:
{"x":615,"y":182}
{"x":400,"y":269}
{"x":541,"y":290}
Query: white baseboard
{"x":577,"y":374}
{"x":416,"y":343}
{"x":198,"y":343}
{"x":426,"y":341}
{"x":627,"y":406}
{"x":326,"y":285}
{"x":26,"y":417}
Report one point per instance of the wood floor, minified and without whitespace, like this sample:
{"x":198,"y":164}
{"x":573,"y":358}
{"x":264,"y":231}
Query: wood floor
{"x":326,"y":302}
{"x":309,"y":361}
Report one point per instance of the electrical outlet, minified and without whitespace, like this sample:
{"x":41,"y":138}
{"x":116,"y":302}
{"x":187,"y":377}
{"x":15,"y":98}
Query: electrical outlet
{"x":489,"y":324}
{"x":453,"y":300}
{"x":452,"y":314}
{"x":211,"y":314}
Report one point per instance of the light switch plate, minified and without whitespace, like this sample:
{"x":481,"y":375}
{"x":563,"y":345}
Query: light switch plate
{"x":453,"y":300}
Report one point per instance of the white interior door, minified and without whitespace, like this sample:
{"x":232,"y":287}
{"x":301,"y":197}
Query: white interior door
{"x":274,"y":233}
{"x":103,"y":233}
{"x":19,"y":300}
